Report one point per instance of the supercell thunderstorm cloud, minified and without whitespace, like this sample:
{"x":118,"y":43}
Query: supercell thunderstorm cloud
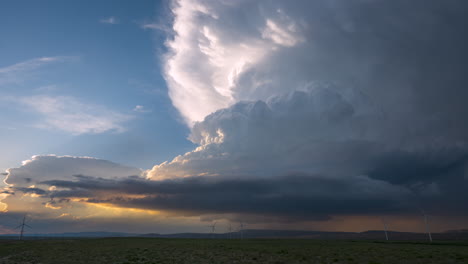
{"x":300,"y":110}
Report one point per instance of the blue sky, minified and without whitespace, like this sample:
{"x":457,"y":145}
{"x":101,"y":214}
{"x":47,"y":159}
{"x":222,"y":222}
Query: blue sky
{"x":109,"y":65}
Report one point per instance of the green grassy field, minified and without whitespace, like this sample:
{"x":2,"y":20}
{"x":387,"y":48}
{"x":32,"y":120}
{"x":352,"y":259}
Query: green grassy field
{"x":153,"y":250}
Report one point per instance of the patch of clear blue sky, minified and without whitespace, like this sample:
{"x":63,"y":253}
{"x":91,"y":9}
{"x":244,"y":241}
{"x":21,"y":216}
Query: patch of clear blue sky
{"x":115,"y":66}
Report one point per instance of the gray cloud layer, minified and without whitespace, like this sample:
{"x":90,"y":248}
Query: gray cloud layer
{"x":299,"y":197}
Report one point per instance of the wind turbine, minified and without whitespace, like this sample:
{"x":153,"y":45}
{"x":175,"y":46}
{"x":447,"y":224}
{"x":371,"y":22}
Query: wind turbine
{"x":426,"y":222}
{"x":385,"y":227}
{"x":22,"y":225}
{"x":241,"y":229}
{"x":230,"y":230}
{"x":213,"y":228}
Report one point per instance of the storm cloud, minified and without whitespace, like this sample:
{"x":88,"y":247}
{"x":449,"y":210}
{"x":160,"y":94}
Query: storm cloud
{"x":301,"y":110}
{"x":293,"y":197}
{"x":341,"y":89}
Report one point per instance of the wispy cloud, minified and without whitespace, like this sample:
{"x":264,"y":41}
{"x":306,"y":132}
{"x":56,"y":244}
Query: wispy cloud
{"x":16,"y":73}
{"x":29,"y":64}
{"x":155,"y":26}
{"x":141,"y":109}
{"x":71,"y":115}
{"x":110,"y":20}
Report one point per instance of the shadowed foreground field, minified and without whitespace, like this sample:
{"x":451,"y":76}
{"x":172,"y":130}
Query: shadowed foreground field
{"x":153,"y":250}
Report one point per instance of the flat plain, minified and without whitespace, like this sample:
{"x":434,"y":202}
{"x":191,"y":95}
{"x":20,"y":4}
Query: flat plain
{"x":274,"y":251}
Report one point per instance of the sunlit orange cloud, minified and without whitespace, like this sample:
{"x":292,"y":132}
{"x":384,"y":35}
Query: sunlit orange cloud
{"x":3,"y":206}
{"x":112,"y":209}
{"x":75,"y":207}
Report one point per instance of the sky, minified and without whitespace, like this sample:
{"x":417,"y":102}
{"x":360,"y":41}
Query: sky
{"x":168,"y":116}
{"x":96,"y":64}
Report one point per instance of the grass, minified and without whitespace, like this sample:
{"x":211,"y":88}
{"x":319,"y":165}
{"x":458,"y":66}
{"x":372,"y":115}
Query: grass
{"x":155,"y":250}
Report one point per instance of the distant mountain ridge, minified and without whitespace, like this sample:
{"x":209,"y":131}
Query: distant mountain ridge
{"x":266,"y":233}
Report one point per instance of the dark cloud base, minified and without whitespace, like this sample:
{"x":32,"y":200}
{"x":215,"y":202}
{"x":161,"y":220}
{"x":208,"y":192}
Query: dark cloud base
{"x":291,"y":198}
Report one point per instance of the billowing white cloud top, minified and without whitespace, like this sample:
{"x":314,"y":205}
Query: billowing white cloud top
{"x":336,"y":88}
{"x":212,"y":50}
